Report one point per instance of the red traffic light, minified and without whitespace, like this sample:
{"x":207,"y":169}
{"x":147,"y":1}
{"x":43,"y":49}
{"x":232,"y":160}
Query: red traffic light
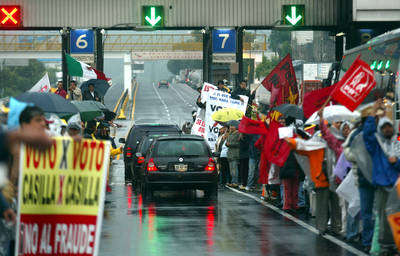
{"x":10,"y":16}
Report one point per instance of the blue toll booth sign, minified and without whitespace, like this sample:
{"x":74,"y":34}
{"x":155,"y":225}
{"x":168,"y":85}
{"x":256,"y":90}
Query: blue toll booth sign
{"x":224,"y":41}
{"x":82,"y":41}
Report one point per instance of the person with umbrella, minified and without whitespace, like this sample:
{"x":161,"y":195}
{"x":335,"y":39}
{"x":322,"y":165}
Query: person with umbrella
{"x":233,"y":144}
{"x":74,"y":92}
{"x":91,"y":94}
{"x":60,"y":90}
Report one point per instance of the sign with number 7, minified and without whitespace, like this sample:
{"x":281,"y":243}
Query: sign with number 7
{"x":224,"y":41}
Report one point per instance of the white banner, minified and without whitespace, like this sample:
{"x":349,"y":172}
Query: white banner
{"x":199,"y":125}
{"x":43,"y":85}
{"x":206,"y":90}
{"x":218,"y":100}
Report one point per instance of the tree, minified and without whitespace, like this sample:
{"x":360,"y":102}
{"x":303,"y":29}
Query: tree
{"x":15,"y":80}
{"x":266,"y":66}
{"x":280,"y":42}
{"x":174,"y":66}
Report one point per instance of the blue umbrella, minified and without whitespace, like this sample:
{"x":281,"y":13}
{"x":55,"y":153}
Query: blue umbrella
{"x":49,"y":102}
{"x":100,"y":86}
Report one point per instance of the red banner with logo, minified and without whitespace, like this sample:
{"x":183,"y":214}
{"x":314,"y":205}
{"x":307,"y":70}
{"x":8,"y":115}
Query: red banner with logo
{"x":314,"y":100}
{"x":282,"y":84}
{"x":355,"y":85}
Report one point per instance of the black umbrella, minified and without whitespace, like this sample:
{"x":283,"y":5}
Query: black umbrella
{"x":49,"y":102}
{"x":290,"y":110}
{"x":100,"y":86}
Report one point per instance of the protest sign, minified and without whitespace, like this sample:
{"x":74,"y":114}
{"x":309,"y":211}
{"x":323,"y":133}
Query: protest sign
{"x":355,"y":85}
{"x":206,"y":90}
{"x":199,"y":125}
{"x":61,"y":198}
{"x":218,"y":100}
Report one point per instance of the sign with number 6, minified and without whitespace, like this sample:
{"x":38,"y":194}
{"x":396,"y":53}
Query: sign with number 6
{"x":82,"y":41}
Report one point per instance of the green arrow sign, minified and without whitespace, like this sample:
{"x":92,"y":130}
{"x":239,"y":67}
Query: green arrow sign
{"x":293,"y":15}
{"x":153,"y":16}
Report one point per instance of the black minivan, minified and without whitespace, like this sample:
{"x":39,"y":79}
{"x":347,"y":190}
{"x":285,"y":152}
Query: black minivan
{"x":136,"y":134}
{"x":177,"y":162}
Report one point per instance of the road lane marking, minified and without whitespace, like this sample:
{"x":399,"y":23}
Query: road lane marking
{"x":180,"y":96}
{"x":163,"y":102}
{"x":302,"y":223}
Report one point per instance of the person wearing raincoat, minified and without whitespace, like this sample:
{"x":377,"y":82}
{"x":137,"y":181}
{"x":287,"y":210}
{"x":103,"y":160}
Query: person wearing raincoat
{"x":327,"y":203}
{"x":384,"y":148}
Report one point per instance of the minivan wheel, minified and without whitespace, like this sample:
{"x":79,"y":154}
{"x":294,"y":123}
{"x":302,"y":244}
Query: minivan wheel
{"x":211,"y":192}
{"x":146,"y":191}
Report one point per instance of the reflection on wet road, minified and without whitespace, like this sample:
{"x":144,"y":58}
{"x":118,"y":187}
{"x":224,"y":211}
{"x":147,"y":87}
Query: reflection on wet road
{"x":184,"y":223}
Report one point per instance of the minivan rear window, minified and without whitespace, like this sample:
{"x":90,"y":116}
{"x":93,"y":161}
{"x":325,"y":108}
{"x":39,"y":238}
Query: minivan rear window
{"x":169,"y":148}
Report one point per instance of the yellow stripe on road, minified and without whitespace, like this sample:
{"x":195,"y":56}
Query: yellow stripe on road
{"x":134,"y":101}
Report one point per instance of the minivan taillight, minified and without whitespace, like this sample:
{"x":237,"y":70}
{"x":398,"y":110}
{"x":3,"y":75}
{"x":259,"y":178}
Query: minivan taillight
{"x":128,"y":152}
{"x":140,"y":160}
{"x":151,"y":166}
{"x":210,"y":166}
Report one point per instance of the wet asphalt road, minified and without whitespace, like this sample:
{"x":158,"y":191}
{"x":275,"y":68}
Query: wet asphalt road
{"x":183,"y":223}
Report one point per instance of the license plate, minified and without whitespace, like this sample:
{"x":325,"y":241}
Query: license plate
{"x":181,"y":167}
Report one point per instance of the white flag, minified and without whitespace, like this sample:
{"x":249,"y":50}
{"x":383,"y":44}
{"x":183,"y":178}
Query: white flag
{"x":43,"y":85}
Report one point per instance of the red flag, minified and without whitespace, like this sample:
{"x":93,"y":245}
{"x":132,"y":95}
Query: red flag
{"x":250,"y":126}
{"x":276,"y":150}
{"x":314,"y":100}
{"x":282,"y":84}
{"x":355,"y":85}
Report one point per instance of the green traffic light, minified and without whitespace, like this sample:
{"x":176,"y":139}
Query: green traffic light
{"x":387,"y":65}
{"x":380,"y":65}
{"x":153,"y":16}
{"x":373,"y":65}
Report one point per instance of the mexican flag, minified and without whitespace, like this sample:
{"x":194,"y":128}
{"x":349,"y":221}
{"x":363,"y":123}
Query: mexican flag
{"x":77,"y":68}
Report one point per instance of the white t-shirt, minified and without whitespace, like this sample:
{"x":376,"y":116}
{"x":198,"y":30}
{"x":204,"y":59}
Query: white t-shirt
{"x":224,"y":150}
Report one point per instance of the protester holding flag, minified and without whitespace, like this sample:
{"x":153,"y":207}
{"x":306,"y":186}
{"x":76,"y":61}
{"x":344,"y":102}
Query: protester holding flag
{"x":60,"y":90}
{"x":382,"y":144}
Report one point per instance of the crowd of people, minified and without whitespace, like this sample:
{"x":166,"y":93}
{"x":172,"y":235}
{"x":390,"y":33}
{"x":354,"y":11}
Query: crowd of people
{"x":36,"y":128}
{"x":322,"y":156}
{"x":75,"y":93}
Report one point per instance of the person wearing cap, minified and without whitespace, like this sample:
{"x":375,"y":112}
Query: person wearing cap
{"x":384,"y":148}
{"x":221,"y":87}
{"x":74,"y":130}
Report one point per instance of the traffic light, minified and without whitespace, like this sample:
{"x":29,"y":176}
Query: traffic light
{"x":153,"y":16}
{"x":10,"y":16}
{"x":293,"y":15}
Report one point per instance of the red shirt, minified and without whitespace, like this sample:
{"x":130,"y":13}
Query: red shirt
{"x":61,"y":92}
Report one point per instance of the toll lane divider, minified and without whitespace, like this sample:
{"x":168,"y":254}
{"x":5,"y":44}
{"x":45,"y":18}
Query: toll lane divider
{"x":301,"y":223}
{"x":123,"y":103}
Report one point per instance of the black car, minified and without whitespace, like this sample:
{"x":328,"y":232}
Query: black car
{"x":163,"y":83}
{"x":136,"y":134}
{"x":142,"y":148}
{"x":179,"y":162}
